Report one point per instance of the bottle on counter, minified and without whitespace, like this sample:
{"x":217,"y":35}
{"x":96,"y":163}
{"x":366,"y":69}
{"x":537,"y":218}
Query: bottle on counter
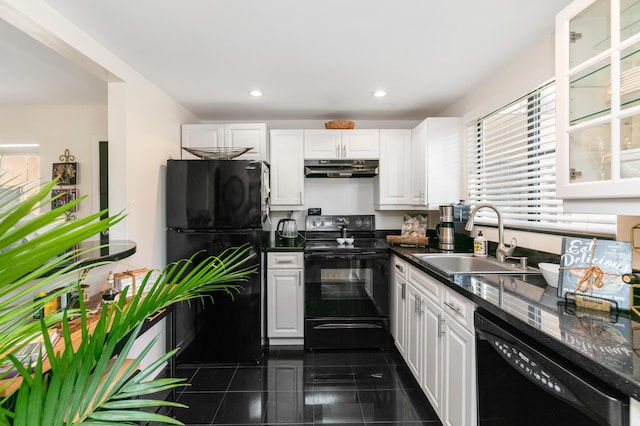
{"x":480,"y":245}
{"x":111,"y":282}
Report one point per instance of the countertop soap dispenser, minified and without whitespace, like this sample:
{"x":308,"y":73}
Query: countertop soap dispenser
{"x":480,"y":245}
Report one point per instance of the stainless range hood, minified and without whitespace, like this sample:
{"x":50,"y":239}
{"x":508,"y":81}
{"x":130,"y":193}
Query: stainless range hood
{"x":340,"y":168}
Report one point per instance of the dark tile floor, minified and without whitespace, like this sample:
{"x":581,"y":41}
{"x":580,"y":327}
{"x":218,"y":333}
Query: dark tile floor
{"x":294,"y":387}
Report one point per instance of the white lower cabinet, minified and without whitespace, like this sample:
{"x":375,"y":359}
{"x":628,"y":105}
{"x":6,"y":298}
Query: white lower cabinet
{"x":458,"y":374}
{"x":285,"y":298}
{"x":415,"y":331}
{"x":440,"y":346}
{"x":399,"y":303}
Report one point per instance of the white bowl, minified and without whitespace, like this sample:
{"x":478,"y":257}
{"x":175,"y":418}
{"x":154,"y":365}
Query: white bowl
{"x":340,"y":240}
{"x":348,"y":240}
{"x":550,"y":272}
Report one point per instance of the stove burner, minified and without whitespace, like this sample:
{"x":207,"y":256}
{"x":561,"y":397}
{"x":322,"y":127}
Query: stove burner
{"x":322,"y":232}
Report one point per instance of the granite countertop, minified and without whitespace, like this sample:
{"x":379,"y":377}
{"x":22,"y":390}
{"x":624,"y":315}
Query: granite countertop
{"x":285,"y":244}
{"x":600,"y":343}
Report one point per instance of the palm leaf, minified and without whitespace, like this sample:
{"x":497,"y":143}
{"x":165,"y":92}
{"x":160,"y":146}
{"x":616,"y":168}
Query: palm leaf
{"x":90,"y":384}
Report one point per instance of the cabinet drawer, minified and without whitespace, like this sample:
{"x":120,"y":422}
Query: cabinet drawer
{"x":429,"y":286}
{"x":399,"y":266}
{"x":285,"y":260}
{"x":459,"y":308}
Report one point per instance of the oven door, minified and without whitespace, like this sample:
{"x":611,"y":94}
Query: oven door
{"x":346,"y":300}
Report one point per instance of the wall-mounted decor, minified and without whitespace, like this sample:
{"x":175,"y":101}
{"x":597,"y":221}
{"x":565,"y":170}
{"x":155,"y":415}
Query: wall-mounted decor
{"x":60,"y":197}
{"x":66,"y":172}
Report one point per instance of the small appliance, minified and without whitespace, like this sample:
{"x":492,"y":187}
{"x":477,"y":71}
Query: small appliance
{"x":287,"y":229}
{"x":445,"y":229}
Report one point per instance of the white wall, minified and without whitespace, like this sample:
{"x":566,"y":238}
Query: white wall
{"x":143,"y":126}
{"x":349,"y":196}
{"x":56,"y":128}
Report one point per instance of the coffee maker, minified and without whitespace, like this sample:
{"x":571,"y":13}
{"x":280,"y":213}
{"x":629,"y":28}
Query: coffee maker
{"x":450,"y":231}
{"x":445,"y":229}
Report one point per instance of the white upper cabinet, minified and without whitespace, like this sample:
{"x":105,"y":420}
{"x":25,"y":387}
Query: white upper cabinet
{"x":598,"y":101}
{"x":201,"y":136}
{"x":287,"y":169}
{"x":361,"y":144}
{"x":435,"y":163}
{"x":253,"y":135}
{"x":418,"y":165}
{"x":237,"y":135}
{"x":341,"y":144}
{"x":444,"y":159}
{"x":392,"y":190}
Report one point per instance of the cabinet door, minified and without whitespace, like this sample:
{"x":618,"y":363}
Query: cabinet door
{"x":415,"y":331}
{"x":250,"y":135}
{"x":285,"y":303}
{"x":419,"y":165}
{"x":201,"y":136}
{"x":597,"y":114}
{"x":432,"y":348}
{"x":459,"y":376}
{"x":361,"y":144}
{"x":399,"y":314}
{"x":287,"y":169}
{"x":322,"y":144}
{"x":393,"y":186}
{"x":444,"y":154}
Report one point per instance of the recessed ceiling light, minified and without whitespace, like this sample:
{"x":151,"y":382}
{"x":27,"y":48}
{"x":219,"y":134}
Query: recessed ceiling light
{"x":255,"y":93}
{"x":379,"y":93}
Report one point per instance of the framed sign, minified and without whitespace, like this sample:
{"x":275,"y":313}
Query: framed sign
{"x":64,"y":196}
{"x":592,"y":267}
{"x":66,"y":173}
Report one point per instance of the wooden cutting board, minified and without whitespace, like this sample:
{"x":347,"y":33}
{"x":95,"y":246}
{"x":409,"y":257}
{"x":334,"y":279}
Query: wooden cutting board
{"x":408,"y":240}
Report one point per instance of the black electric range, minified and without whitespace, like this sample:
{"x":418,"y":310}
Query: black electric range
{"x":346,"y":285}
{"x":322,"y":233}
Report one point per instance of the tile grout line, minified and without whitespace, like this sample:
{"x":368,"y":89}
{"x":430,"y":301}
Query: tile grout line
{"x":224,"y":394}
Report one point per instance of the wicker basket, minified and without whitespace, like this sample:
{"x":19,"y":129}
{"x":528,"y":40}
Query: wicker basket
{"x":339,"y":124}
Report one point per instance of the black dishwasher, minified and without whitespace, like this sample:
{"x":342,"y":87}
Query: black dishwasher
{"x":521,"y":383}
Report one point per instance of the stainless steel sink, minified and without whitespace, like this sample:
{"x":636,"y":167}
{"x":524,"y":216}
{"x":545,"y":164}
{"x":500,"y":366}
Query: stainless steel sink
{"x":455,"y":264}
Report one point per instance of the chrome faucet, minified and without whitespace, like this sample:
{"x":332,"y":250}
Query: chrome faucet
{"x":502,"y":251}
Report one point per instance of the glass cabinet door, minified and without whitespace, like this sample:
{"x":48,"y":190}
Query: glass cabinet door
{"x":598,"y":100}
{"x":590,"y":32}
{"x":629,"y":90}
{"x":629,"y":18}
{"x":630,"y":147}
{"x":590,"y":154}
{"x":590,"y":93}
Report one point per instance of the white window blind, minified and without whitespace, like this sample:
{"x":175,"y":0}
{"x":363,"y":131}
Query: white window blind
{"x":511,"y":164}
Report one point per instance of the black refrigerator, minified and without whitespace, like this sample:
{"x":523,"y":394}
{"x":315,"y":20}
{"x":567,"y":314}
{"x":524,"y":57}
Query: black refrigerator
{"x":213,"y":205}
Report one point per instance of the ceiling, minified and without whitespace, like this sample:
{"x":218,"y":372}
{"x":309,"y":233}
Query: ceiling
{"x":312,"y":59}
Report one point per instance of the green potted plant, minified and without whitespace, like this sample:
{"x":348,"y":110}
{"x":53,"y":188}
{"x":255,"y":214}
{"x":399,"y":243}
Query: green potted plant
{"x":86,"y":383}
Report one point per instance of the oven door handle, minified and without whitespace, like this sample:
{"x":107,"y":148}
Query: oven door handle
{"x":350,"y":325}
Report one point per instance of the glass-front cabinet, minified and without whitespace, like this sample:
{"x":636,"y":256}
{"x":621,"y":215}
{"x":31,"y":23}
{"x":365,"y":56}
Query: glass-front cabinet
{"x":598,"y":100}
